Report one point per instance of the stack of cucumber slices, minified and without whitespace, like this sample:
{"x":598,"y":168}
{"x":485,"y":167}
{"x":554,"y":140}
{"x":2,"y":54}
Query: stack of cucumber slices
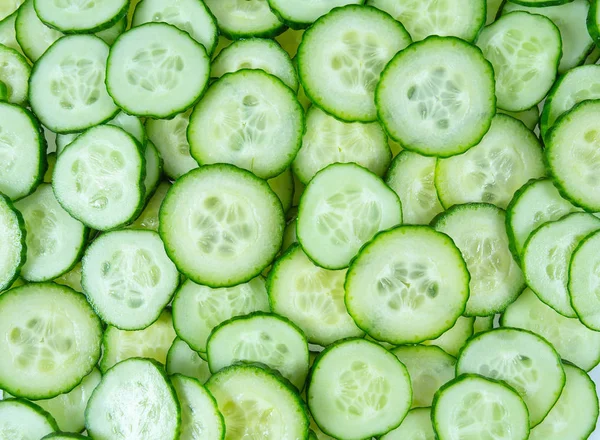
{"x":299,"y":219}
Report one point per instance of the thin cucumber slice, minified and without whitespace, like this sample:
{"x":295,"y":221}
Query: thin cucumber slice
{"x":169,"y":136}
{"x":8,"y":33}
{"x":22,"y":152}
{"x":33,"y":36}
{"x":529,"y":117}
{"x":283,"y":186}
{"x":55,"y":240}
{"x":342,"y":208}
{"x":134,"y":400}
{"x":570,"y":18}
{"x":222,"y":240}
{"x":257,"y":404}
{"x":448,"y":107}
{"x":407,"y":285}
{"x":148,"y":219}
{"x":300,"y":14}
{"x":523,"y":360}
{"x":574,"y":342}
{"x":71,"y":279}
{"x":422,"y":18}
{"x":583,"y":281}
{"x":416,"y":425}
{"x":483,"y":324}
{"x":238,"y":121}
{"x":128,"y":278}
{"x":341,"y":58}
{"x":198,"y":309}
{"x":412,"y":177}
{"x":571,"y":154}
{"x":9,"y":7}
{"x":14,"y":74}
{"x":153,"y":170}
{"x":99,"y":178}
{"x":428,"y":367}
{"x":546,"y":258}
{"x":200,"y":415}
{"x":153,"y":342}
{"x":191,"y":16}
{"x":506,"y":158}
{"x":579,"y":84}
{"x":576,"y":412}
{"x":312,"y":297}
{"x":358,"y":389}
{"x":478,"y":229}
{"x":525,"y":50}
{"x":67,"y":90}
{"x":23,"y":420}
{"x":81,"y":17}
{"x":52,"y":340}
{"x":251,"y":18}
{"x":181,"y":359}
{"x":260,"y":337}
{"x":256,"y":53}
{"x":328,"y":140}
{"x":455,"y":338}
{"x":12,"y":242}
{"x":536,"y":203}
{"x":156,"y":70}
{"x":472,"y":406}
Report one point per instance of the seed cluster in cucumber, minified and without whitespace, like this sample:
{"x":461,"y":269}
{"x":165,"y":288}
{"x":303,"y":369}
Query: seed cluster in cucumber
{"x":299,"y":219}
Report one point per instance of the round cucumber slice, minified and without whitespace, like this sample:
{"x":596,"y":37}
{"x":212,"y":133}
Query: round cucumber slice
{"x":20,"y":419}
{"x":12,"y":242}
{"x":52,"y":340}
{"x":14,"y":75}
{"x":455,"y":338}
{"x":181,"y":359}
{"x":251,"y":18}
{"x":81,"y":16}
{"x":407,"y":285}
{"x":33,"y":36}
{"x":584,"y":281}
{"x":358,"y":389}
{"x":448,"y":107}
{"x":416,"y":425}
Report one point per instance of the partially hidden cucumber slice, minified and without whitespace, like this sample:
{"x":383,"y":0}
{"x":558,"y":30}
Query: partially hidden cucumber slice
{"x":583,"y":281}
{"x":81,"y":17}
{"x":148,"y":219}
{"x":529,"y":117}
{"x":33,"y":36}
{"x":283,"y":186}
{"x":448,"y":107}
{"x":181,"y":359}
{"x":12,"y":242}
{"x":251,"y":18}
{"x":455,"y":338}
{"x":14,"y":74}
{"x":134,"y":400}
{"x":9,"y":7}
{"x":416,"y":425}
{"x":299,"y":14}
{"x":20,"y":419}
{"x":64,"y":436}
{"x":8,"y":33}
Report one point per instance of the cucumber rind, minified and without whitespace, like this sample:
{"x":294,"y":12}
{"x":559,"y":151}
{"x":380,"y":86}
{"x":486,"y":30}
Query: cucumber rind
{"x":22,"y":251}
{"x":15,"y":81}
{"x":582,"y":307}
{"x":540,"y":3}
{"x":121,"y":13}
{"x":271,"y":28}
{"x":37,"y":410}
{"x":296,"y":23}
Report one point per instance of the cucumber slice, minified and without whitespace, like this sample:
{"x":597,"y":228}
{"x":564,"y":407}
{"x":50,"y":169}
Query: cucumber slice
{"x":33,"y":36}
{"x":300,"y":14}
{"x":455,"y":338}
{"x":256,"y":53}
{"x":134,"y":400}
{"x":181,"y":359}
{"x":342,"y":208}
{"x":221,"y":241}
{"x":8,"y":34}
{"x":358,"y":389}
{"x":290,"y":40}
{"x":52,"y":340}
{"x":81,"y":17}
{"x":506,"y":158}
{"x":523,"y":360}
{"x":574,"y":342}
{"x":260,"y":337}
{"x":483,"y":324}
{"x":148,"y":219}
{"x":412,"y":177}
{"x":328,"y":140}
{"x":571,"y":154}
{"x":9,"y":7}
{"x":312,"y":297}
{"x":20,"y":419}
{"x":283,"y":186}
{"x":128,"y":278}
{"x":493,"y":7}
{"x":14,"y":74}
{"x":198,"y":309}
{"x":251,"y":18}
{"x":529,"y":117}
{"x":239,"y":122}
{"x":341,"y":58}
{"x":71,"y":279}
{"x":153,"y":170}
{"x":416,"y":425}
{"x":64,"y":436}
{"x":525,"y":50}
{"x":191,"y":16}
{"x":546,"y":258}
{"x":478,"y":229}
{"x":12,"y":242}
{"x":576,"y":412}
{"x":55,"y":240}
{"x":22,"y":152}
{"x":99,"y":178}
{"x":156,"y":70}
{"x":51,"y":159}
{"x":472,"y":406}
{"x":422,"y":18}
{"x":153,"y":342}
{"x":407,"y":285}
{"x":111,"y":34}
{"x":428,"y":367}
{"x":540,"y":3}
{"x":448,"y":107}
{"x":570,"y":18}
{"x":536,"y":203}
{"x":62,"y":140}
{"x":257,"y":404}
{"x":583,"y":281}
